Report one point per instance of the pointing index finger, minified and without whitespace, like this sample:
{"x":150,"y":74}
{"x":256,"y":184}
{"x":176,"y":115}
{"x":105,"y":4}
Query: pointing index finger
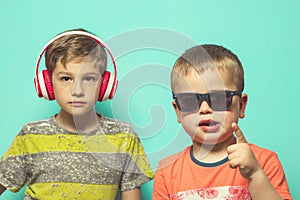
{"x":240,"y":138}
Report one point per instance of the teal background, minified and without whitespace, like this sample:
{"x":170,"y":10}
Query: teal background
{"x":264,"y":34}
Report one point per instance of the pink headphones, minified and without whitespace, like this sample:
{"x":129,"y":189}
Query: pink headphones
{"x":42,"y":81}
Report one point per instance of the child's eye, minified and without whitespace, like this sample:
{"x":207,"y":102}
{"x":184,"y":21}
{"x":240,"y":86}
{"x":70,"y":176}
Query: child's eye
{"x":90,"y":78}
{"x":65,"y":78}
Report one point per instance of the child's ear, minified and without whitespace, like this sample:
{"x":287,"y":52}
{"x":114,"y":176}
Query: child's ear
{"x":176,"y":111}
{"x":243,"y":103}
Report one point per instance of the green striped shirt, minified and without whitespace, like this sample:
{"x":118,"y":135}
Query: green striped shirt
{"x":55,"y":163}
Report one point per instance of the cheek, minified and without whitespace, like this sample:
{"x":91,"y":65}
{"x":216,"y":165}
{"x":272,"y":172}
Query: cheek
{"x":60,"y":91}
{"x":91,"y":90}
{"x":190,"y":123}
{"x":96,"y":92}
{"x":227,"y":119}
{"x":221,"y":117}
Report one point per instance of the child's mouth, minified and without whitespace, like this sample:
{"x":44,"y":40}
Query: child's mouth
{"x":209,"y":125}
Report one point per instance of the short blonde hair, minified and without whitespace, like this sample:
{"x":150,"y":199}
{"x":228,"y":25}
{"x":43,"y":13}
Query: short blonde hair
{"x":203,"y":57}
{"x":75,"y":47}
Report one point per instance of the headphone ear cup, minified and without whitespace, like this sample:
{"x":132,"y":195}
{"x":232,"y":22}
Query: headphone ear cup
{"x":48,"y":84}
{"x":108,"y":86}
{"x":104,"y":86}
{"x":44,"y":86}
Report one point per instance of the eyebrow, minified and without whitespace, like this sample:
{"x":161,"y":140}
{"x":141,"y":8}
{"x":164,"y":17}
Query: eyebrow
{"x":64,"y":73}
{"x":91,"y":73}
{"x":85,"y":74}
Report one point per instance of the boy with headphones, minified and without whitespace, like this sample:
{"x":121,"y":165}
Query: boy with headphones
{"x":78,"y":153}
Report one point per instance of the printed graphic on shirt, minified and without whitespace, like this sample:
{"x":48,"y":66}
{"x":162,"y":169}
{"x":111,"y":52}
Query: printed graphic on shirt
{"x":224,"y":192}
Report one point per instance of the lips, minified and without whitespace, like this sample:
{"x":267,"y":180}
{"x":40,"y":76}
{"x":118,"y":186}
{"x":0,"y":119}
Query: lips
{"x":209,"y":125}
{"x":77,"y":103}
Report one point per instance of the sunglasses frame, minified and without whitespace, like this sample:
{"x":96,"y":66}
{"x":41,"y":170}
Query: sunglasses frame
{"x":206,"y":97}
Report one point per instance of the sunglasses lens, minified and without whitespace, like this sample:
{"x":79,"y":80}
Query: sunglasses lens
{"x":187,"y":102}
{"x":220,"y":101}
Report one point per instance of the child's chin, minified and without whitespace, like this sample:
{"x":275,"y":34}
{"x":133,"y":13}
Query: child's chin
{"x":206,"y":140}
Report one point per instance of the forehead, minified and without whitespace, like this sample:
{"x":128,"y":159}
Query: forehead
{"x":77,"y":67}
{"x":204,"y":82}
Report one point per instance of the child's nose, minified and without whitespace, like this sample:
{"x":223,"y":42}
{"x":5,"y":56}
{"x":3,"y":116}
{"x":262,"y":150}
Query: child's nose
{"x":77,"y":89}
{"x":204,"y":108}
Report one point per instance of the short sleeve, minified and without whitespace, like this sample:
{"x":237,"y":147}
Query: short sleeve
{"x":159,"y":188}
{"x":13,"y":165}
{"x":137,"y":169}
{"x":275,"y":173}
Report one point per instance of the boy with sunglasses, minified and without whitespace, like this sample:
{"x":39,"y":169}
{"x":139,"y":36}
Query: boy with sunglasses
{"x":207,"y":83}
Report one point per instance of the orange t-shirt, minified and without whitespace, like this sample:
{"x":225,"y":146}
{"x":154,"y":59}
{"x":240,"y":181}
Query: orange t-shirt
{"x":181,"y":177}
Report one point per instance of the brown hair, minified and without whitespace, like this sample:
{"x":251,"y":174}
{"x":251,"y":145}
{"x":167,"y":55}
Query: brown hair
{"x":203,"y":57}
{"x":75,"y":47}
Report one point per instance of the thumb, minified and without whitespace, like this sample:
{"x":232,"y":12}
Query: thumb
{"x":240,"y":138}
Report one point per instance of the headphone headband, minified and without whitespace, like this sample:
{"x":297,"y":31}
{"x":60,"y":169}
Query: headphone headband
{"x":96,"y":39}
{"x":107,"y":92}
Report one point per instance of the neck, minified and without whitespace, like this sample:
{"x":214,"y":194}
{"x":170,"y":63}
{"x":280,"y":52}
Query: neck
{"x":80,"y":124}
{"x":211,"y":153}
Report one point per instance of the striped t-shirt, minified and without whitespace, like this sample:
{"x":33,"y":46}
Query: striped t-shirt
{"x":55,"y":163}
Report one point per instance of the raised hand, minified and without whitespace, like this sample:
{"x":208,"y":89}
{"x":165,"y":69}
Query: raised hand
{"x":240,"y":155}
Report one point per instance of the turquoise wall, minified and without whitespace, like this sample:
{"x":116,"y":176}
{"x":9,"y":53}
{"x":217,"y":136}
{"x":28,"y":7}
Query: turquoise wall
{"x":146,"y":37}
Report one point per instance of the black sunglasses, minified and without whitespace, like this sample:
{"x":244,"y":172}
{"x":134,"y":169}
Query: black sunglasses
{"x":217,"y":100}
